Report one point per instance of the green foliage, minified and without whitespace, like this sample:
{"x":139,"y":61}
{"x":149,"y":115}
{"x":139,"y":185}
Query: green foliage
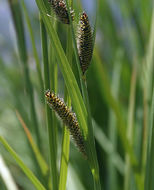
{"x":113,"y":103}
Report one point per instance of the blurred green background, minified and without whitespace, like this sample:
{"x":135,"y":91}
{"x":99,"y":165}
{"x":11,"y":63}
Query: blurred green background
{"x":119,"y":81}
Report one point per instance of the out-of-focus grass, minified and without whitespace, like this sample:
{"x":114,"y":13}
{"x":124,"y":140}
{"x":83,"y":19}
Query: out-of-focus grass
{"x":122,"y":117}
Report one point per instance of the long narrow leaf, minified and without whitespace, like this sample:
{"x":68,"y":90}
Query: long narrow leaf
{"x":108,"y":147}
{"x":6,"y":175}
{"x":115,"y":87}
{"x":33,"y":45}
{"x":149,"y":183}
{"x":50,"y":127}
{"x":21,"y":164}
{"x":66,"y":134}
{"x":43,"y":165}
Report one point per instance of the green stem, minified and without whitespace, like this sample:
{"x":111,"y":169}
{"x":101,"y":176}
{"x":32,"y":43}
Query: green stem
{"x":138,"y":25}
{"x":148,"y":78}
{"x":130,"y":131}
{"x":109,"y":149}
{"x":112,"y":174}
{"x":88,"y":134}
{"x":33,"y":45}
{"x":66,"y":133}
{"x":53,"y":83}
{"x":148,"y":153}
{"x":92,"y":158}
{"x":65,"y":151}
{"x":51,"y":137}
{"x":149,"y":182}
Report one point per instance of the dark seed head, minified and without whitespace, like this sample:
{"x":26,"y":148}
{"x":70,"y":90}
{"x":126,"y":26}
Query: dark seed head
{"x":60,"y":10}
{"x":84,"y":42}
{"x":68,"y":118}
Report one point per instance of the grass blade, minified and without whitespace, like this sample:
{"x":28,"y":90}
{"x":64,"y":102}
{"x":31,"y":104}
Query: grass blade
{"x":108,"y":147}
{"x":149,"y":182}
{"x":43,"y":165}
{"x":112,"y":173}
{"x":130,"y":124}
{"x":25,"y":169}
{"x":6,"y":176}
{"x":51,"y":129}
{"x":38,"y":67}
{"x":148,"y":72}
{"x":66,"y":134}
{"x":64,"y":158}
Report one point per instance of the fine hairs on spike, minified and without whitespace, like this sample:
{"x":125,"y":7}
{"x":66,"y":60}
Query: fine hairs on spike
{"x":84,"y":42}
{"x":60,"y":9}
{"x":68,"y":118}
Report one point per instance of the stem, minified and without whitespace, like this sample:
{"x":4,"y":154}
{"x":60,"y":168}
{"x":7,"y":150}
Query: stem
{"x":51,"y":137}
{"x":112,"y":174}
{"x":148,"y":78}
{"x":53,"y":84}
{"x":92,"y":157}
{"x":149,"y":183}
{"x":130,"y":131}
{"x":88,"y":134}
{"x":66,"y":133}
{"x":33,"y":45}
{"x":65,"y":151}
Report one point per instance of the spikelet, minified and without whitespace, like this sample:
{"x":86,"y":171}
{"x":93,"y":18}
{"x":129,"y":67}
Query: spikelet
{"x":60,"y":9}
{"x":84,"y":42}
{"x":68,"y":118}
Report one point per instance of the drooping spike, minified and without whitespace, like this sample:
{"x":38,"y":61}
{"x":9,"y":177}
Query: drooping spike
{"x":68,"y":118}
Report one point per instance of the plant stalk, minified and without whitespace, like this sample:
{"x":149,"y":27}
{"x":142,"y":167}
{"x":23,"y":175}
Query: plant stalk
{"x":51,"y":136}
